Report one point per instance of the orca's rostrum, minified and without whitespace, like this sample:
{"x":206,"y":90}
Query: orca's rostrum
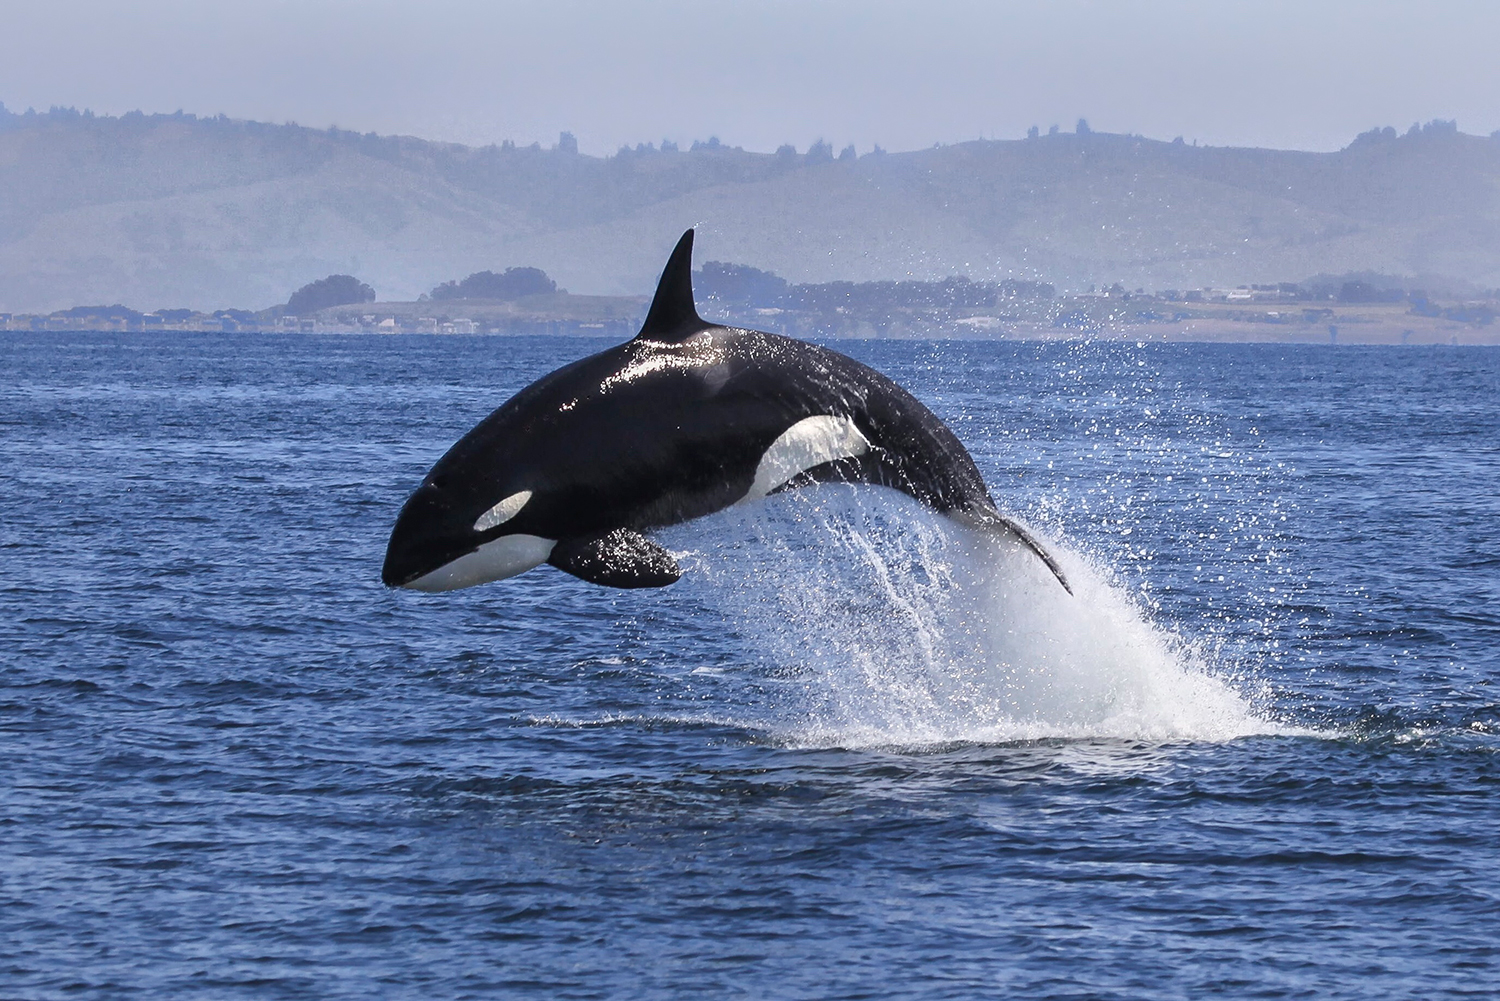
{"x":686,"y":419}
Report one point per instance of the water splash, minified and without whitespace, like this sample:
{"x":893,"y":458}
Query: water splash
{"x":893,"y":626}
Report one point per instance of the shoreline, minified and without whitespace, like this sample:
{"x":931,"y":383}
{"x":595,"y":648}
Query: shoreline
{"x":1154,"y":334}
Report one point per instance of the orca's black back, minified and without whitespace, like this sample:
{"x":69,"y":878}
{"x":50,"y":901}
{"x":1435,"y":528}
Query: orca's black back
{"x":648,"y":434}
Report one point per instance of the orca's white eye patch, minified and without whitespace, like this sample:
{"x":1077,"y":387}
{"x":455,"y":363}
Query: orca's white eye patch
{"x":503,"y":511}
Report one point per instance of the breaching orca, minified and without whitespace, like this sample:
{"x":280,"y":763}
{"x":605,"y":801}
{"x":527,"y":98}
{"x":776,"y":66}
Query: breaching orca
{"x":686,"y":419}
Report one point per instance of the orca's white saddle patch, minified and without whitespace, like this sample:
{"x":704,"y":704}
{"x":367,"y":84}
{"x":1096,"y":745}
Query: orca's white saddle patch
{"x":808,"y":443}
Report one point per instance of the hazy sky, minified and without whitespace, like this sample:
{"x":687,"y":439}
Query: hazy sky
{"x":1305,"y":74}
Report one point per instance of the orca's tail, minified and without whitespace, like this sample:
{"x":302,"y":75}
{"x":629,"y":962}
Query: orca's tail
{"x":998,"y":523}
{"x":1037,"y":547}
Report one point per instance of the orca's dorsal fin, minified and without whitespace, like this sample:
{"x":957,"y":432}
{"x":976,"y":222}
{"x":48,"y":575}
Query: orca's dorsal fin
{"x":673,"y":315}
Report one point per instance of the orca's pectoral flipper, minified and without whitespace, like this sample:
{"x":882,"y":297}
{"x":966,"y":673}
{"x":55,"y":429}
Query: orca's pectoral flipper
{"x":620,"y":558}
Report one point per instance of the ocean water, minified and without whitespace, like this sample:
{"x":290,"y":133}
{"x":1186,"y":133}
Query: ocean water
{"x":854,"y":753}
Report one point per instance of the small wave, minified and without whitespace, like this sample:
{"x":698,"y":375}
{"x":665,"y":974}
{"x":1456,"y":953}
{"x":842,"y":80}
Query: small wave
{"x":898,"y":627}
{"x":641,"y":721}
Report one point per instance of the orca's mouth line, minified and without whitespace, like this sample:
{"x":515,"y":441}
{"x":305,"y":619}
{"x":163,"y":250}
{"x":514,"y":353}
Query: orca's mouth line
{"x":400,"y":570}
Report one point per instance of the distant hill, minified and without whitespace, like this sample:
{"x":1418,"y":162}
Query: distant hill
{"x":157,"y":210}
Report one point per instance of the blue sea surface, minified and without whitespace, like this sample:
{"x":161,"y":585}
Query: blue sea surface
{"x":854,"y":753}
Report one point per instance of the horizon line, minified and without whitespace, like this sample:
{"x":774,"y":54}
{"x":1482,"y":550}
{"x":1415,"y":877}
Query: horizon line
{"x":568,"y":144}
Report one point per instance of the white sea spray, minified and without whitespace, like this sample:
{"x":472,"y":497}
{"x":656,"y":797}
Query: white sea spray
{"x":894,"y":626}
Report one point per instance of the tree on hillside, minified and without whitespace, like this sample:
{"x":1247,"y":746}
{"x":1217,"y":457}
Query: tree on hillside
{"x":335,"y":290}
{"x":739,"y":284}
{"x":513,"y":284}
{"x":819,"y":152}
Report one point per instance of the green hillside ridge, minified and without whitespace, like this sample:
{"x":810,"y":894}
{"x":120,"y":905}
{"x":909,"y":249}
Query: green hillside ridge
{"x":214,"y":212}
